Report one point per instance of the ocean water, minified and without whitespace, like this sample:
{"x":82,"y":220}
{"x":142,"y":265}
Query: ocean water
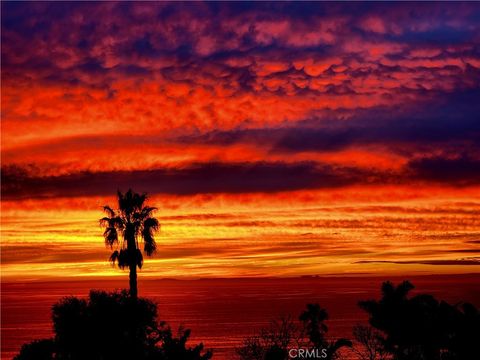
{"x":221,"y":312}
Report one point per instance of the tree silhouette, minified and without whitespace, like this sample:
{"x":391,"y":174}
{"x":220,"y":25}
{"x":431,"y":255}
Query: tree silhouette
{"x":313,"y":319}
{"x":284,"y":335}
{"x":421,"y":327}
{"x":134,"y":220}
{"x":111,"y":326}
{"x":369,"y":345}
{"x":37,"y":350}
{"x":104,"y":326}
{"x":175,"y":348}
{"x":272,"y":342}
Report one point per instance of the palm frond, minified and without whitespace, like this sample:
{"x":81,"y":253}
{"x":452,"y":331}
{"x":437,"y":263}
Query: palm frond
{"x":115,"y":222}
{"x":124,"y":202}
{"x":149,"y":246}
{"x":104,"y":222}
{"x":114,"y":257}
{"x":139,"y":259}
{"x":123,"y":259}
{"x":111,"y":236}
{"x":150,"y":225}
{"x":138,"y":201}
{"x":109,"y":210}
{"x":136,"y":225}
{"x":119,"y":199}
{"x":144,"y":213}
{"x":147,"y":210}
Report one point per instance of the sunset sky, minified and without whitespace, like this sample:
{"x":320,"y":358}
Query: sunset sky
{"x":276,"y":139}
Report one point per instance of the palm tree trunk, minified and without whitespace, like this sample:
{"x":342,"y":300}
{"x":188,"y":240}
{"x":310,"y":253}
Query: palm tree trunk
{"x":133,"y":281}
{"x":132,"y":251}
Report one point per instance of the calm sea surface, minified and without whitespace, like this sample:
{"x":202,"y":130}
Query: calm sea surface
{"x":220,"y":312}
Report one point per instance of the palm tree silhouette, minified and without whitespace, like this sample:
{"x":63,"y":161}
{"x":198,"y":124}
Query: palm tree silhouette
{"x":134,"y":220}
{"x":313,"y":321}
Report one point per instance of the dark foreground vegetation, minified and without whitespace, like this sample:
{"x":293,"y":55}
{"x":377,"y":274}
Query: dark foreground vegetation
{"x":404,"y":327}
{"x":111,"y":326}
{"x":401,"y":327}
{"x":118,"y":326}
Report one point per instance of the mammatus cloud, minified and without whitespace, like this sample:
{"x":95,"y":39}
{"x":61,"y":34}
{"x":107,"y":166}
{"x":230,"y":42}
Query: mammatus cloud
{"x":224,"y":66}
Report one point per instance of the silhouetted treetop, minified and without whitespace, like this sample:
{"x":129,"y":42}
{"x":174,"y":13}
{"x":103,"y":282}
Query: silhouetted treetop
{"x":134,"y":220}
{"x":422,"y":327}
{"x":111,"y":326}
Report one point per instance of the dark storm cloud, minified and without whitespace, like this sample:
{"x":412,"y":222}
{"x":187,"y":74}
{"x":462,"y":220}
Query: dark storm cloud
{"x":256,"y":177}
{"x":450,"y":120}
{"x":204,"y":178}
{"x":451,"y":124}
{"x":460,"y":170}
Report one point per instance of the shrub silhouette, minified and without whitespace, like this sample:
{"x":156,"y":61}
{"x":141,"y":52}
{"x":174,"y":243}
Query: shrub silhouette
{"x":309,"y":333}
{"x":175,"y":347}
{"x":423,"y":328}
{"x":111,"y":326}
{"x":38,"y":350}
{"x":272,"y":342}
{"x":369,"y":344}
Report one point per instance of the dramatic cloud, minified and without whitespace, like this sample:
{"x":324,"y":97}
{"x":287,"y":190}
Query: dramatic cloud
{"x":206,"y":178}
{"x":18,"y":183}
{"x":218,"y":106}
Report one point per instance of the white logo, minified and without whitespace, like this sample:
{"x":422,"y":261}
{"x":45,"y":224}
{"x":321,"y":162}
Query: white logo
{"x":307,"y":353}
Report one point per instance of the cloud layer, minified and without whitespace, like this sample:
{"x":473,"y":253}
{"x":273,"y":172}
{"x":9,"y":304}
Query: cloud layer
{"x":212,"y":107}
{"x":173,"y":85}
